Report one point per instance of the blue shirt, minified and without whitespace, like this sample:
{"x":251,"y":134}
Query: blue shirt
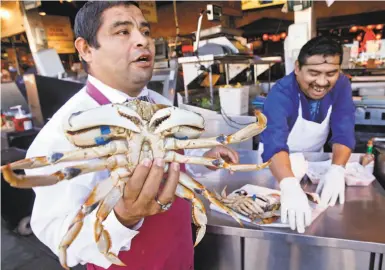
{"x":281,"y":110}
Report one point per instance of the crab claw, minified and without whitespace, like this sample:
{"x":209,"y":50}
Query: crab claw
{"x":249,"y":131}
{"x":198,"y":211}
{"x":192,"y":184}
{"x":200,"y":219}
{"x":223,"y":193}
{"x":170,"y":117}
{"x":102,"y":237}
{"x":22,"y":181}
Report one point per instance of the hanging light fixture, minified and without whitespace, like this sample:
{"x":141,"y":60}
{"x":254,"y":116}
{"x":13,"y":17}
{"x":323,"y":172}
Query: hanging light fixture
{"x":4,"y":14}
{"x":265,"y":37}
{"x":353,"y":29}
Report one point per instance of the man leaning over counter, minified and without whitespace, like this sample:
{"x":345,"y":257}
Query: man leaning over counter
{"x":301,"y":109}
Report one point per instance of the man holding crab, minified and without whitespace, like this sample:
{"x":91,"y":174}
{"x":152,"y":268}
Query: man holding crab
{"x":114,"y":42}
{"x":301,"y":109}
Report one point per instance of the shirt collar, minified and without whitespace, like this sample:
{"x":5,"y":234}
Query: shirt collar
{"x":114,"y":95}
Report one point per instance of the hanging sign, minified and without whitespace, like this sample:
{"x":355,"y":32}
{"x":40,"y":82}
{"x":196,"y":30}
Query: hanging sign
{"x":59,"y":33}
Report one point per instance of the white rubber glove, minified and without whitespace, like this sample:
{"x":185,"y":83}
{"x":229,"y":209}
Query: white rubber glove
{"x":295,"y":208}
{"x":332,"y":184}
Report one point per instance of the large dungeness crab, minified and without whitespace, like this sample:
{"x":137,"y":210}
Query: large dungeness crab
{"x":120,"y":136}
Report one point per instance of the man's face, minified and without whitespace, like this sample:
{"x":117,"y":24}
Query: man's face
{"x":126,"y":53}
{"x":318,"y":75}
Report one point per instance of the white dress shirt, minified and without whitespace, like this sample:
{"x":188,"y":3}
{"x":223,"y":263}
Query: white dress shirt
{"x":56,"y":206}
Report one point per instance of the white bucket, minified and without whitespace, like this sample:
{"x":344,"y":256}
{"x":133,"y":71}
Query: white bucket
{"x":234,"y":100}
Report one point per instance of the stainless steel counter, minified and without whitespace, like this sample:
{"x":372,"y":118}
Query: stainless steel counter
{"x":349,"y":236}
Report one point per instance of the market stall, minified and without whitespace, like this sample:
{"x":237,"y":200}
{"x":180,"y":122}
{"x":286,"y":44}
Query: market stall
{"x":221,"y":77}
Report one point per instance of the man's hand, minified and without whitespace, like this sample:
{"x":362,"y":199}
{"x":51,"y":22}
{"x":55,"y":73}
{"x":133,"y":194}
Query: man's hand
{"x":141,"y":192}
{"x":295,"y":208}
{"x":332,"y":184}
{"x":226,"y":153}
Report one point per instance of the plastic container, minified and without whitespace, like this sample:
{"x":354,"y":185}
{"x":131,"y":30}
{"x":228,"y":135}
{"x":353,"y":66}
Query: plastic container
{"x":234,"y":100}
{"x":358,"y":175}
{"x":21,"y":120}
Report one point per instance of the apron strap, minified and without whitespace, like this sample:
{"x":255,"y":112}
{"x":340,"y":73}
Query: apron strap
{"x":98,"y":96}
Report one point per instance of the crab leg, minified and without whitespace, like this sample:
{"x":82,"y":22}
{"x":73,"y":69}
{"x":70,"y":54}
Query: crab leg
{"x":102,"y":237}
{"x":22,"y":181}
{"x":112,"y":148}
{"x":71,"y":234}
{"x":217,"y":163}
{"x":100,"y":191}
{"x":239,"y":136}
{"x":192,"y":184}
{"x":198,"y":211}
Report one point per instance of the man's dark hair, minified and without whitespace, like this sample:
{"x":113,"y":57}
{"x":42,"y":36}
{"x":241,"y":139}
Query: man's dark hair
{"x":320,"y":45}
{"x":89,"y":19}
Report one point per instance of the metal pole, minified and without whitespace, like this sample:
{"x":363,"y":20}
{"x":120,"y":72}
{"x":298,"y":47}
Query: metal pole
{"x":198,"y":33}
{"x":227,"y":73}
{"x":211,"y":88}
{"x":249,"y":79}
{"x":255,"y":73}
{"x":269,"y":76}
{"x":186,"y":99}
{"x":16,"y":57}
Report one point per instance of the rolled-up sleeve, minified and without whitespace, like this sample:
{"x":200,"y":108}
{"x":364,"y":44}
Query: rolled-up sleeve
{"x":56,"y":206}
{"x":342,"y":120}
{"x":277,"y":108}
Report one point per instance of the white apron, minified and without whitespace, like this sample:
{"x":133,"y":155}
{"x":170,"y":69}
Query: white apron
{"x":307,"y":136}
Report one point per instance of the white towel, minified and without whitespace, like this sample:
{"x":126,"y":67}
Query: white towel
{"x":355,"y":175}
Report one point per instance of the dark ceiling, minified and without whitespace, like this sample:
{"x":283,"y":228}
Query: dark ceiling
{"x":256,"y":28}
{"x":272,"y":25}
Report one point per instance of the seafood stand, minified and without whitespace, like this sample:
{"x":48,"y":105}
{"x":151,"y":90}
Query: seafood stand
{"x":350,"y":236}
